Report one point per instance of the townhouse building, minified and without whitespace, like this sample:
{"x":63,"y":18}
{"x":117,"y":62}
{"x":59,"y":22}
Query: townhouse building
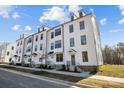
{"x":10,"y":53}
{"x":19,"y":51}
{"x":3,"y":47}
{"x":72,"y":45}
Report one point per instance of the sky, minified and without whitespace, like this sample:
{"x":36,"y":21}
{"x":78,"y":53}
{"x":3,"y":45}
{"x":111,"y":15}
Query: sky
{"x":16,"y":20}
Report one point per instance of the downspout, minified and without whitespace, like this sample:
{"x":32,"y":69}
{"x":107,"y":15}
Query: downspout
{"x":46,"y":49}
{"x":23,"y":51}
{"x":32,"y":48}
{"x":63,"y":43}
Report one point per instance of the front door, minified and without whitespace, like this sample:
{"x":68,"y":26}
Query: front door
{"x":72,"y":59}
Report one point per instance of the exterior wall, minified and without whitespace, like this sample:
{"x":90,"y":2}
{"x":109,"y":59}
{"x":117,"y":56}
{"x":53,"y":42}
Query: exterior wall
{"x":28,"y":54}
{"x":89,"y":47}
{"x":40,"y":53}
{"x":19,"y":49}
{"x":97,"y":41}
{"x":3,"y":48}
{"x":11,"y":50}
{"x":52,"y":58}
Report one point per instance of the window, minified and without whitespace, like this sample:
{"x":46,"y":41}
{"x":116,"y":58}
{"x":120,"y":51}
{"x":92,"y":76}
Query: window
{"x":20,"y":51}
{"x":52,"y":46}
{"x":71,"y":29}
{"x":29,"y":60}
{"x":82,"y":26}
{"x":40,"y":59}
{"x":21,"y":43}
{"x":71,"y":42}
{"x":36,"y":39}
{"x":52,"y":34}
{"x":29,"y":40}
{"x":59,"y":57}
{"x":58,"y":32}
{"x":83,"y":40}
{"x":35,"y":48}
{"x":18,"y":44}
{"x":12,"y":47}
{"x":7,"y":53}
{"x":85,"y":56}
{"x":18,"y":58}
{"x":41,"y":46}
{"x":58,"y":44}
{"x":41,"y":37}
{"x":28,"y":49}
{"x":10,"y":59}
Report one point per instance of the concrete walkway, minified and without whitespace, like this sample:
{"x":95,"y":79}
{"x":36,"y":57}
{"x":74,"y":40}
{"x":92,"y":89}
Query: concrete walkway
{"x":83,"y":74}
{"x":107,"y":78}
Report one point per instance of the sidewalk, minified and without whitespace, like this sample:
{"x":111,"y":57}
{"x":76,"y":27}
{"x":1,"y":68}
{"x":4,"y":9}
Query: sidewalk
{"x":107,"y":78}
{"x":83,"y":74}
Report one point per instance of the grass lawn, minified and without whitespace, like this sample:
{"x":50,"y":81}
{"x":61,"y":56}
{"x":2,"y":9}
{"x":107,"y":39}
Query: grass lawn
{"x":111,"y":70}
{"x":101,"y":83}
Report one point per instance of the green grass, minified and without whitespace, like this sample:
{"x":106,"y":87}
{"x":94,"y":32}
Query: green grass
{"x":111,"y":70}
{"x":101,"y":83}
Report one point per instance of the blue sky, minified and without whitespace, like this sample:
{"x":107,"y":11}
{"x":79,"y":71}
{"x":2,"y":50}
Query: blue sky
{"x":15,"y":20}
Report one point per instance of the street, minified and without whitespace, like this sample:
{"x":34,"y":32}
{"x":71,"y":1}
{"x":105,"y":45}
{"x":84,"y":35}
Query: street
{"x":13,"y":80}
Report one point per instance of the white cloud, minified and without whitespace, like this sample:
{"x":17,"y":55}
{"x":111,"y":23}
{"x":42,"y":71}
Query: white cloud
{"x":121,"y":21}
{"x":53,"y":14}
{"x":60,"y":14}
{"x":15,"y":15}
{"x":5,"y":10}
{"x":27,"y":28}
{"x":74,"y":9}
{"x":103,"y":21}
{"x":121,"y":7}
{"x":16,"y":27}
{"x":117,"y":30}
{"x":92,"y":10}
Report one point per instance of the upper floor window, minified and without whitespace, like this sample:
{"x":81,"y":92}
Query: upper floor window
{"x":20,"y":51}
{"x":18,"y":44}
{"x":58,"y":32}
{"x":12,"y":47}
{"x":52,"y":34}
{"x":83,"y":40}
{"x":82,"y":25}
{"x":29,"y":40}
{"x":52,"y":46}
{"x":41,"y":46}
{"x":41,"y":37}
{"x":7,"y":53}
{"x":85,"y":56}
{"x":58,"y":44}
{"x":71,"y":42}
{"x":35,"y":48}
{"x":36,"y":39}
{"x":28,"y":49}
{"x":21,"y":43}
{"x":71,"y":29}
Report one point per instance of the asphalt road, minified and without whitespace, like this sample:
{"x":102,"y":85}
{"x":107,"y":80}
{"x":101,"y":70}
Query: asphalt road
{"x":12,"y":80}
